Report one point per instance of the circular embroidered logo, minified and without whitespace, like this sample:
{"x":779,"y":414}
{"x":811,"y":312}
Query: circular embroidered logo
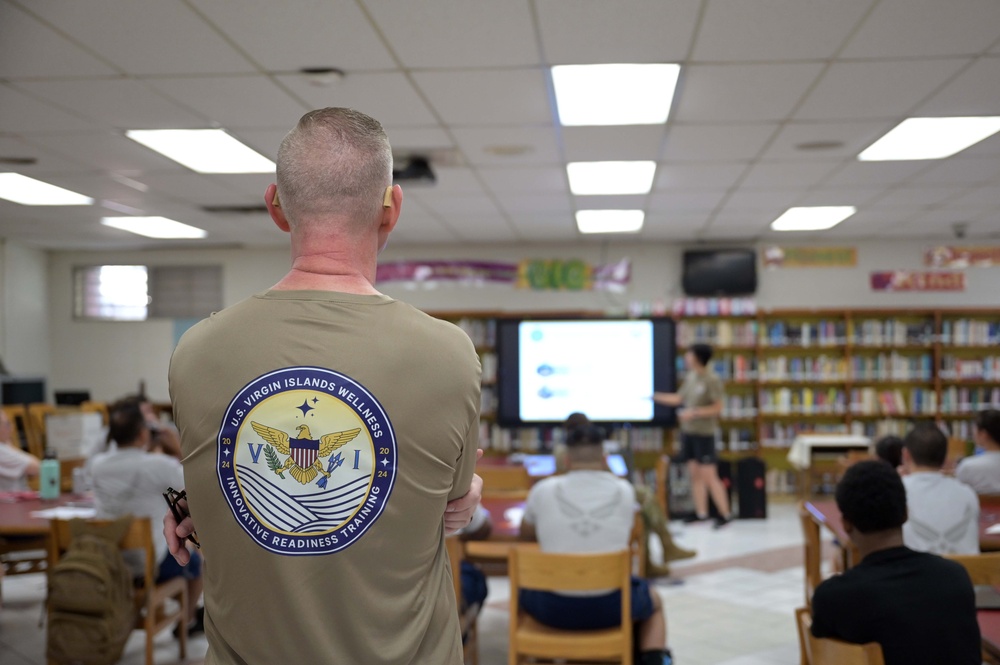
{"x":306,"y":460}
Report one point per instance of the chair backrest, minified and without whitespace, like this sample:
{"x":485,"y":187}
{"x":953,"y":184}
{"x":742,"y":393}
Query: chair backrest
{"x":826,"y":651}
{"x":96,"y":407}
{"x":504,"y":480}
{"x":982,"y":568}
{"x":662,"y":474}
{"x":36,"y":416}
{"x":545,"y":571}
{"x":455,"y":555}
{"x":138,"y":537}
{"x":813,"y":552}
{"x":21,"y":422}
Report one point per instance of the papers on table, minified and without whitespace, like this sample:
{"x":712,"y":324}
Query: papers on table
{"x":64,"y":513}
{"x":993,"y":529}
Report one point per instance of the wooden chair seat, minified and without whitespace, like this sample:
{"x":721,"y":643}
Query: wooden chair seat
{"x":826,"y":651}
{"x":547,"y":642}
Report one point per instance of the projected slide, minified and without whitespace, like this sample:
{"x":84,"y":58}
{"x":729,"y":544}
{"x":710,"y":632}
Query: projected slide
{"x":602,"y":368}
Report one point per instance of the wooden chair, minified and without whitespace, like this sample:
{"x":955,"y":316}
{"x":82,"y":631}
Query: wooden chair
{"x":982,"y":568}
{"x":813,"y":552}
{"x":154,"y":614}
{"x":468,"y":617}
{"x":637,"y":545}
{"x":18,"y":416}
{"x":662,"y":474}
{"x":826,"y":651}
{"x":36,"y":417}
{"x":504,"y":481}
{"x":569,"y":572}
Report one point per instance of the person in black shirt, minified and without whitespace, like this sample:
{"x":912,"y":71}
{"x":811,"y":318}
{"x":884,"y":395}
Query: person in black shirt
{"x":919,"y":607}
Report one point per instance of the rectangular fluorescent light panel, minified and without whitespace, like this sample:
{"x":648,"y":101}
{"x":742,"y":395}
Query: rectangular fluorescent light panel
{"x":203,"y":150}
{"x":609,"y":221}
{"x":588,"y":95}
{"x":814,"y":218}
{"x":930,"y":138}
{"x":154,"y":227}
{"x":587,"y":178}
{"x":30,"y":192}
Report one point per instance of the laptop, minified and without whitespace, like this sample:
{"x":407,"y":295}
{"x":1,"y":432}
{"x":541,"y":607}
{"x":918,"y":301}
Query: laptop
{"x":987,"y":597}
{"x":542,"y":466}
{"x":72,"y":397}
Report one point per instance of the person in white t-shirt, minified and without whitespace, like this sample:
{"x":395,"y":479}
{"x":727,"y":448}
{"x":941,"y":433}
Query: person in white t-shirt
{"x":130,"y":480}
{"x":590,"y":511}
{"x":981,"y":472}
{"x":943,"y":512}
{"x":15,"y":464}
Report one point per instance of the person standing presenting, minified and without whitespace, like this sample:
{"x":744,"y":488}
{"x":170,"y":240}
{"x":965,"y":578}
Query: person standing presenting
{"x":324,"y":428}
{"x":701,"y":396}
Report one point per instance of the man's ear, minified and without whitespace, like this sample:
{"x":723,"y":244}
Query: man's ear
{"x":273,"y":204}
{"x":849,"y":527}
{"x":907,"y":459}
{"x":390,"y":215}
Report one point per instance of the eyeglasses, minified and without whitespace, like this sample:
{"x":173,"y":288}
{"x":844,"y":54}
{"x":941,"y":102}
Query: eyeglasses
{"x":173,"y":498}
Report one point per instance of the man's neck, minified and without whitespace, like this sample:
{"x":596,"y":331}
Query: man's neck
{"x":338,"y":271}
{"x":876,"y":542}
{"x":924,"y":469}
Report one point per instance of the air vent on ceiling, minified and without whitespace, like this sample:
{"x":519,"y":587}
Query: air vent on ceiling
{"x":18,"y":161}
{"x":254,"y":209}
{"x":417,"y":170}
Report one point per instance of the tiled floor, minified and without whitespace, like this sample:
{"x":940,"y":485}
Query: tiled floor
{"x":734,"y":607}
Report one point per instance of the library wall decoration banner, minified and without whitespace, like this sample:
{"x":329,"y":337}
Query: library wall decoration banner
{"x":535,"y":274}
{"x":809,"y":257}
{"x":916,"y":280}
{"x":950,"y":256}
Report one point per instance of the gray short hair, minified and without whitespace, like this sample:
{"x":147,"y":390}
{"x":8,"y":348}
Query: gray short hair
{"x":336,"y":162}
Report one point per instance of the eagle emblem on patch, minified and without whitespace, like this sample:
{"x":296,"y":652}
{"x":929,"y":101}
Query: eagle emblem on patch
{"x":299,"y":493}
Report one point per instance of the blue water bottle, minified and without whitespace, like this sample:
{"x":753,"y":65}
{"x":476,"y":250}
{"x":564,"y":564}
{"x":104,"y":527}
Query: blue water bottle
{"x":48,"y":477}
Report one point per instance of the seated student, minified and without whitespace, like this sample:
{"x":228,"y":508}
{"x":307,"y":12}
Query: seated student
{"x":944,"y":513}
{"x":590,"y":511}
{"x":15,"y":464}
{"x":919,"y":607}
{"x":130,"y":480}
{"x":982,"y":472}
{"x":889,"y":449}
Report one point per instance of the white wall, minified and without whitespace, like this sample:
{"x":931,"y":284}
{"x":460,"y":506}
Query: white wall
{"x":111,"y":358}
{"x":24,"y":324}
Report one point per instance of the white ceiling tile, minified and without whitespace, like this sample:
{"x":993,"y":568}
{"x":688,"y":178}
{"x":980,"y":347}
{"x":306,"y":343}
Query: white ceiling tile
{"x":747,"y":30}
{"x":417,"y":140}
{"x":988,"y":148}
{"x":664,"y":220}
{"x":250,"y":185}
{"x":762,"y":199}
{"x":857,"y":196}
{"x":450,"y":33}
{"x":521,"y":204}
{"x":973,"y":92}
{"x":918,"y":195}
{"x":233,"y":101}
{"x":292,"y":34}
{"x":946,"y":218}
{"x":20,"y":113}
{"x":743,"y":93}
{"x":420,"y":228}
{"x":982,"y":197}
{"x":858,"y":90}
{"x":538,"y":144}
{"x":453,"y":180}
{"x":855,"y":137}
{"x":591,"y":144}
{"x":443,"y":204}
{"x":525,"y":179}
{"x":680,"y":200}
{"x":198,"y":189}
{"x":475,"y":227}
{"x":960,"y":170}
{"x":595,"y":31}
{"x":747,"y":220}
{"x":264,"y":141}
{"x":487,"y":97}
{"x":118,"y":103}
{"x":99,"y":187}
{"x":860,"y":174}
{"x":162,"y":37}
{"x":903,"y":28}
{"x":697,"y":176}
{"x":107,"y":151}
{"x":707,"y":143}
{"x":752,"y":210}
{"x":388,"y":97}
{"x":774,"y":175}
{"x":29,"y":48}
{"x":47,"y":161}
{"x":548,"y":227}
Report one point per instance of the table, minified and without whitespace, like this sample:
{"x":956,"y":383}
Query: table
{"x":989,"y":628}
{"x":801,"y":452}
{"x":20,"y":532}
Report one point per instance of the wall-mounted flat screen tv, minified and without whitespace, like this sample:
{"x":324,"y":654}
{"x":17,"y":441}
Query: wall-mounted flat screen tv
{"x":605,"y":368}
{"x":719,"y":272}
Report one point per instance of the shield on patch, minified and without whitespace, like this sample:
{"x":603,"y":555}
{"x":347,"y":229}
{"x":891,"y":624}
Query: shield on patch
{"x":304,"y":451}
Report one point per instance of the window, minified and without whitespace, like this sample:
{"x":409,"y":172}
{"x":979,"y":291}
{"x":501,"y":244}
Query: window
{"x":137,"y":293}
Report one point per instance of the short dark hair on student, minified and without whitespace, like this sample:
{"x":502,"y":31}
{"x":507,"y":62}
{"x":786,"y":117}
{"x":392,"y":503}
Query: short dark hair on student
{"x":703,"y":352}
{"x":125,"y":421}
{"x":988,"y":420}
{"x":889,"y":449}
{"x":871,"y":496}
{"x":576,"y":419}
{"x":585,"y":435}
{"x":927,"y":445}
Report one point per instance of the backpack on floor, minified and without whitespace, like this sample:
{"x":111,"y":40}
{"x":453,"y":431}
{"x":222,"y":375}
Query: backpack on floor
{"x":90,"y":598}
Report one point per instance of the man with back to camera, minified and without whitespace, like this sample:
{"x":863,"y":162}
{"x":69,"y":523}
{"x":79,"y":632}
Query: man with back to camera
{"x":589,"y":510}
{"x":324,"y":428}
{"x":919,"y":607}
{"x":701,"y":394}
{"x":943,"y":512}
{"x":981,"y":472}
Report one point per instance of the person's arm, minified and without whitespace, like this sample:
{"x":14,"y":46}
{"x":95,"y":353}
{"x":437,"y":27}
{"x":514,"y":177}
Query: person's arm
{"x":668,"y":399}
{"x":166,"y":439}
{"x":528,"y":533}
{"x":709,"y":411}
{"x":16,"y":463}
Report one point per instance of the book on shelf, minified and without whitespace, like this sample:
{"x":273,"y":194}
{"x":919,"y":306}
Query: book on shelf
{"x":781,"y":435}
{"x":970,"y":332}
{"x":892,"y":332}
{"x":962,"y":399}
{"x":892,"y":367}
{"x":719,"y":333}
{"x":806,"y":334}
{"x":956,"y":368}
{"x":482,"y":332}
{"x":805,"y":401}
{"x":804,"y":368}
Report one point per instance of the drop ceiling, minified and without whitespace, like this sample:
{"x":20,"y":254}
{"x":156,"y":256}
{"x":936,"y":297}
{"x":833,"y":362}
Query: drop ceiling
{"x":468,"y":84}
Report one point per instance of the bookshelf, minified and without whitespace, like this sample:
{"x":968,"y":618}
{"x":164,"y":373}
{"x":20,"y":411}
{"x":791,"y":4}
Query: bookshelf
{"x":869,"y":372}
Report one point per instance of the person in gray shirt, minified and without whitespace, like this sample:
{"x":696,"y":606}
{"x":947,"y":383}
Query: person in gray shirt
{"x":981,"y":472}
